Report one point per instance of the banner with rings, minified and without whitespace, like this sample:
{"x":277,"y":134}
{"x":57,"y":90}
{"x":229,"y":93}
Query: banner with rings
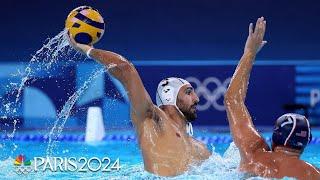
{"x":270,"y":87}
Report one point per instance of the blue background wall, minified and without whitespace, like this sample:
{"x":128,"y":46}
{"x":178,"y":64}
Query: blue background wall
{"x":44,"y":96}
{"x":166,"y":29}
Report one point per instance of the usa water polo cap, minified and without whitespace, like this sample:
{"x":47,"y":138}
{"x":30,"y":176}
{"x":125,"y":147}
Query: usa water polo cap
{"x":168,"y":89}
{"x":292,"y":130}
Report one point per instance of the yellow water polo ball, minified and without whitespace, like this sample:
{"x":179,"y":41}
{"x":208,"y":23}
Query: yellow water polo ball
{"x":85,"y":25}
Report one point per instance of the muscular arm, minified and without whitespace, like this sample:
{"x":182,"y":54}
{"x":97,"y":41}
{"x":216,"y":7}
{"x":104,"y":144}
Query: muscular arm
{"x":245,"y":136}
{"x":125,"y":72}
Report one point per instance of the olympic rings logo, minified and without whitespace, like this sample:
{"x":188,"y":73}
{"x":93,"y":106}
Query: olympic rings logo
{"x":211,"y":96}
{"x":23,"y":169}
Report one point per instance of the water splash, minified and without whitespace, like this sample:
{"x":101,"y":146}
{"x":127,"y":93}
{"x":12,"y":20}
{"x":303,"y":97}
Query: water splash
{"x":217,"y":167}
{"x":65,"y":112}
{"x":49,"y":54}
{"x":220,"y":166}
{"x":46,"y":59}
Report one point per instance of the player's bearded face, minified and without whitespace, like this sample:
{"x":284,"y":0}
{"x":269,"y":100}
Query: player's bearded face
{"x":187,"y":103}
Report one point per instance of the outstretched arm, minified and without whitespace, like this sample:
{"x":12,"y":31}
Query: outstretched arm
{"x":125,"y":72}
{"x":245,"y":136}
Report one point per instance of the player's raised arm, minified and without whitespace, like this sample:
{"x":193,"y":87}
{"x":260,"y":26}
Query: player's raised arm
{"x":125,"y":72}
{"x":243,"y":131}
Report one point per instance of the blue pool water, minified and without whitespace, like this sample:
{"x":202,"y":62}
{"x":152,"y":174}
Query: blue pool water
{"x":221,"y":165}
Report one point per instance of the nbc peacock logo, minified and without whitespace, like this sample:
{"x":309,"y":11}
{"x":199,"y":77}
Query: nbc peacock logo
{"x":22,"y":165}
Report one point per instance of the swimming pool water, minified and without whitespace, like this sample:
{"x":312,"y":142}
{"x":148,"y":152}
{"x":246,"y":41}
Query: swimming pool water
{"x":221,"y":165}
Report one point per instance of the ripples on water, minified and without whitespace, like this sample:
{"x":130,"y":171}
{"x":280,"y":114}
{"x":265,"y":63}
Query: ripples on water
{"x":216,"y":167}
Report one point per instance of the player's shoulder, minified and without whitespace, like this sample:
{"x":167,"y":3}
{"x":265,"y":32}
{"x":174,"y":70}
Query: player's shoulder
{"x":280,"y":166}
{"x":295,"y":167}
{"x":309,"y":168}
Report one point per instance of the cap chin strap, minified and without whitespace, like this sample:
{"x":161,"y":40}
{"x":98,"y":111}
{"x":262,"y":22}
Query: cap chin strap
{"x":189,"y":127}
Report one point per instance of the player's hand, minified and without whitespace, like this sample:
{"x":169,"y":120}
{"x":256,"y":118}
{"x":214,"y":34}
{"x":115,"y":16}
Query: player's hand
{"x":83,"y":48}
{"x":255,"y":40}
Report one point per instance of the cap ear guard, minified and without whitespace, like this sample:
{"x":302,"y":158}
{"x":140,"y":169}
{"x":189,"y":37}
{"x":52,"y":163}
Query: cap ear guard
{"x":279,"y":136}
{"x":168,"y":89}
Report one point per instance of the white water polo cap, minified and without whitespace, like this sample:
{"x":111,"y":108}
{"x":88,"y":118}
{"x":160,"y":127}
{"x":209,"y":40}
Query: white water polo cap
{"x":168,"y":89}
{"x":167,"y":94}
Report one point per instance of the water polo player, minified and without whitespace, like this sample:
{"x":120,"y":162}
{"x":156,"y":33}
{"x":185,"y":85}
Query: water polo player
{"x":291,"y":133}
{"x":164,"y":129}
